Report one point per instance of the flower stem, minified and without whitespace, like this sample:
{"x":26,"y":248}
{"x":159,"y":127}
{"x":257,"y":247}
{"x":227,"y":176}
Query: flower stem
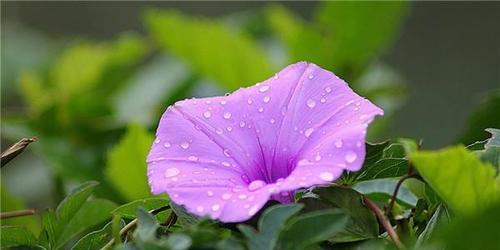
{"x":396,"y":190}
{"x":385,"y":222}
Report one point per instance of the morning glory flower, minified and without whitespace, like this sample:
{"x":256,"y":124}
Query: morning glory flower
{"x":225,"y":157}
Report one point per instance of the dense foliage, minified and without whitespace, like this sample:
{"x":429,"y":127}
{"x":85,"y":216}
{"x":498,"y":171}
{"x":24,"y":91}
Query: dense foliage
{"x":93,"y":108}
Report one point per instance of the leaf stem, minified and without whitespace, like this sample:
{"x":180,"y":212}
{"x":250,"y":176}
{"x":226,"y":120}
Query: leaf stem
{"x":131,"y":225}
{"x":385,"y":222}
{"x":396,"y":190}
{"x":17,"y":213}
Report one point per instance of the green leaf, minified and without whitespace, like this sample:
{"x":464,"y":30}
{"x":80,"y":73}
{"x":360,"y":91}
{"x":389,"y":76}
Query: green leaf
{"x":361,"y":225}
{"x":92,"y":213}
{"x":95,"y":239}
{"x":491,"y":152}
{"x":270,"y":225}
{"x":129,"y":210}
{"x":382,"y":190}
{"x":146,"y":232}
{"x":312,"y":228}
{"x":11,"y":203}
{"x":16,"y":236}
{"x":210,"y":47}
{"x":441,"y":217}
{"x":74,"y":201}
{"x":457,"y":175}
{"x":126,"y":163}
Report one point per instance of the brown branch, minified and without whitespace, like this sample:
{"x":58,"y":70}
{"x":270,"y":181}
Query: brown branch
{"x":15,"y":150}
{"x":17,"y":213}
{"x":385,"y":222}
{"x":131,"y":225}
{"x":396,"y":190}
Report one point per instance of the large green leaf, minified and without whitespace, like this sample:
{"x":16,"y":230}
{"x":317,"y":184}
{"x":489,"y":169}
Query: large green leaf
{"x":312,"y":228}
{"x":271,"y":224}
{"x":491,"y":152}
{"x":11,"y":203}
{"x":485,"y":116}
{"x":74,"y":201}
{"x":16,"y":236}
{"x":441,"y":217}
{"x":210,"y":47}
{"x":95,"y":239}
{"x":382,"y":190}
{"x":126,"y":163}
{"x":458,"y":176}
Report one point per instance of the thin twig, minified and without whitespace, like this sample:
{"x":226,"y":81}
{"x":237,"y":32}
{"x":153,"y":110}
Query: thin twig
{"x":17,"y":213}
{"x":15,"y":150}
{"x":396,"y":190}
{"x":131,"y":225}
{"x":172,"y":218}
{"x":385,"y":222}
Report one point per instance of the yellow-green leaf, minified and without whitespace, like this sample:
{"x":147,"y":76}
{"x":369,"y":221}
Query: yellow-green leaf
{"x":126,"y":163}
{"x":465,"y":183}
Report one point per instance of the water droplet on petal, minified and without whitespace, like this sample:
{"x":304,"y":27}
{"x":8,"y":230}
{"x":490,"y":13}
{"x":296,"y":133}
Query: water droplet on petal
{"x":261,"y":109}
{"x":272,"y":121}
{"x":199,"y":209}
{"x":207,"y":114}
{"x":227,"y":115}
{"x":218,"y":131}
{"x":215,"y":207}
{"x":318,"y":157}
{"x":326,"y":176}
{"x":267,"y":99}
{"x":226,"y":196}
{"x":249,"y":101}
{"x":338,"y":144}
{"x":257,"y":184}
{"x":226,"y":164}
{"x":157,"y":140}
{"x":223,"y":102}
{"x":310,"y":77}
{"x":253,"y":210}
{"x":308,"y":132}
{"x":242,"y":124}
{"x":171,"y":172}
{"x":350,"y":157}
{"x":328,"y":89}
{"x":242,"y":196}
{"x":229,"y":129}
{"x":264,"y":88}
{"x":192,"y":158}
{"x":311,"y":103}
{"x":210,"y":193}
{"x":185,"y":145}
{"x":226,"y":152}
{"x":322,"y":100}
{"x":167,"y":144}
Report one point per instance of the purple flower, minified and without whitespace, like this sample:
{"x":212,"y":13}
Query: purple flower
{"x":225,"y":157}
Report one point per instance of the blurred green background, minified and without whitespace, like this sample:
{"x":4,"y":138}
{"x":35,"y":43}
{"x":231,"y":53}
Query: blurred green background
{"x":91,"y":79}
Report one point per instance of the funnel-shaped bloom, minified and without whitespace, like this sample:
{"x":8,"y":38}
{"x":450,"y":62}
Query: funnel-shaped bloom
{"x":225,"y":157}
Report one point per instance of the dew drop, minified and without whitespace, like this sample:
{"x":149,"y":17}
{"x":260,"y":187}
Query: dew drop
{"x":245,"y":178}
{"x":207,"y":114}
{"x":157,"y":140}
{"x":267,"y":99}
{"x":215,"y":207}
{"x":226,"y":164}
{"x":171,"y":172}
{"x":326,"y":176}
{"x":253,"y":210}
{"x":242,"y":124}
{"x":308,"y":132}
{"x":226,"y":196}
{"x":227,"y":115}
{"x":249,"y":101}
{"x":272,"y":121}
{"x":264,"y":88}
{"x":223,"y":102}
{"x":208,"y":101}
{"x":229,"y":129}
{"x":242,"y":196}
{"x":226,"y":152}
{"x":311,"y":103}
{"x":310,"y":77}
{"x":338,"y":144}
{"x":192,"y":158}
{"x":261,"y":109}
{"x":167,"y":144}
{"x":199,"y":209}
{"x":185,"y":145}
{"x":322,"y":100}
{"x":328,"y":89}
{"x":350,"y":157}
{"x":318,"y":157}
{"x":218,"y":131}
{"x":257,"y":184}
